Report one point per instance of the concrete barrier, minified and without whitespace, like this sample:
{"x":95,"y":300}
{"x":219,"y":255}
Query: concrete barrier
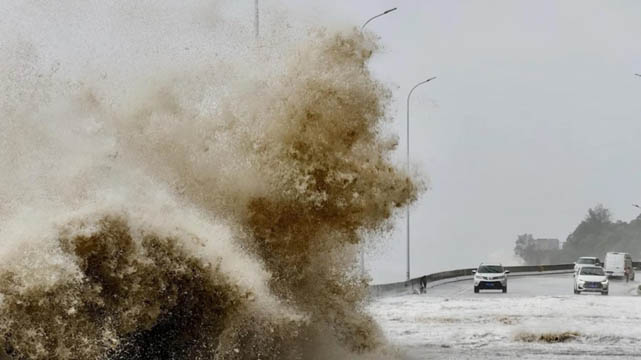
{"x":419,"y":284}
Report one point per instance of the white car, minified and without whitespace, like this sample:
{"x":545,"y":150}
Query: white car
{"x":490,"y":276}
{"x":586,"y":260}
{"x":591,"y":279}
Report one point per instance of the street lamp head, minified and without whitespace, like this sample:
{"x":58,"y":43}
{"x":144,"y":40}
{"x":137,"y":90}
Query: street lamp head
{"x":420,"y":83}
{"x":637,"y":206}
{"x":374,"y":17}
{"x":637,"y":74}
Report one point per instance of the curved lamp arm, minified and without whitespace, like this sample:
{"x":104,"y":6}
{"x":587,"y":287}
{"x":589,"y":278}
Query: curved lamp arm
{"x":374,"y":17}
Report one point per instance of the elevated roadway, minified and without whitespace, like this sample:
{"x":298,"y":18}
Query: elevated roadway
{"x":539,"y":318}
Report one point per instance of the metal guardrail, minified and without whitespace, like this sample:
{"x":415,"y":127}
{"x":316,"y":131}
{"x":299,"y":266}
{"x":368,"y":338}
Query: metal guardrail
{"x":420,"y":283}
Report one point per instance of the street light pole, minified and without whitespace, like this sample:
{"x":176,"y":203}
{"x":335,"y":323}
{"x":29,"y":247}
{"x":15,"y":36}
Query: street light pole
{"x":256,"y":19}
{"x":408,"y":168}
{"x":363,"y":28}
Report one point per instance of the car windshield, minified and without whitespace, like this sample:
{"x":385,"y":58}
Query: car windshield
{"x":592,"y":271}
{"x":585,"y":261}
{"x":490,"y":269}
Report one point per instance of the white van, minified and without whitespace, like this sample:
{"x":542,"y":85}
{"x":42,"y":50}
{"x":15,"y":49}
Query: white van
{"x":616,"y":263}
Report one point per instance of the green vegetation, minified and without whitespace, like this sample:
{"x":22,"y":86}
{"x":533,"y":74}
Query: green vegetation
{"x":594,"y":236}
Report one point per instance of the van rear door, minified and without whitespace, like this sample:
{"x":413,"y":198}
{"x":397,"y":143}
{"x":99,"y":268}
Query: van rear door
{"x":615,"y":264}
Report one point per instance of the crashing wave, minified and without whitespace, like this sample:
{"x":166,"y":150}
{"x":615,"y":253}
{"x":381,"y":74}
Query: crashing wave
{"x":195,"y":215}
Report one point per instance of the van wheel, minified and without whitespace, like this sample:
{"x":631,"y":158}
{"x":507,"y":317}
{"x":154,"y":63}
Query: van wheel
{"x":604,"y":293}
{"x":576,"y":292}
{"x":504,"y":289}
{"x":476,"y":289}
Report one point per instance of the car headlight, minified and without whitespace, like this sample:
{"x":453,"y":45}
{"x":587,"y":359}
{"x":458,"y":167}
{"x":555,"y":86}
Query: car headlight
{"x":604,"y":281}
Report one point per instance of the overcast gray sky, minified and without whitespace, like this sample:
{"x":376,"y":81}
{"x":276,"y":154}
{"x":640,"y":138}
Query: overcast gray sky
{"x":534,"y":118}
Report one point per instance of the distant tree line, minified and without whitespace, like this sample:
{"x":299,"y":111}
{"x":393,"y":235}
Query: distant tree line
{"x":596,"y":235}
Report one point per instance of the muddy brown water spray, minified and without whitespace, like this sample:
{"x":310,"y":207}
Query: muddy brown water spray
{"x":181,"y":221}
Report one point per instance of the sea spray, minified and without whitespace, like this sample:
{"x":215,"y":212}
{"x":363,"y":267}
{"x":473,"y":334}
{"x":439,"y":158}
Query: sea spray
{"x":208,"y":212}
